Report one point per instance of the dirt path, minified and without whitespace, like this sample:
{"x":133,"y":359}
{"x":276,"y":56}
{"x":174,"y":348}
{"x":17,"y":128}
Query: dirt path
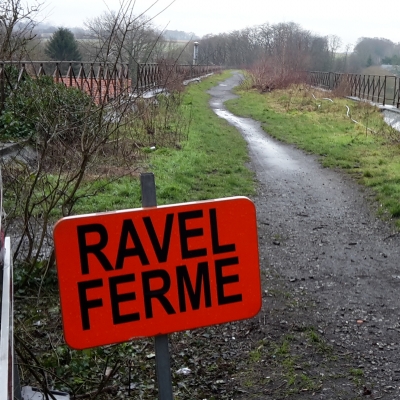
{"x":330,"y":324}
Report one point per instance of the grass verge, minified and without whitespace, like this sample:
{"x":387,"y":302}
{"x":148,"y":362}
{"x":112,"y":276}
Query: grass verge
{"x":369,"y":149}
{"x":210,"y":164}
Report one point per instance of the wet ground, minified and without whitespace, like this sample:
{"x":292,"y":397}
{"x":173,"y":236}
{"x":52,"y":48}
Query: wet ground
{"x":328,"y":264}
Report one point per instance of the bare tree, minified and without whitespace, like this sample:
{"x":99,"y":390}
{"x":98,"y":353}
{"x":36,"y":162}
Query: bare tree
{"x":286,"y":44}
{"x":122,"y":36}
{"x":17,"y":22}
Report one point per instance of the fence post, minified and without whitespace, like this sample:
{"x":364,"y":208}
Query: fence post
{"x":70,"y":72}
{"x":21,"y":73}
{"x":384,"y":92}
{"x":398,"y":94}
{"x":41,"y":71}
{"x":138,"y":77}
{"x":57,"y":72}
{"x":91,"y":77}
{"x":99,"y":79}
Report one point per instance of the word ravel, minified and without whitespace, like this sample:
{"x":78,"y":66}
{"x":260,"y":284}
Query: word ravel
{"x":144,"y":272}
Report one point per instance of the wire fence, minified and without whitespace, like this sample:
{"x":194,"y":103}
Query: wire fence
{"x":383,"y":89}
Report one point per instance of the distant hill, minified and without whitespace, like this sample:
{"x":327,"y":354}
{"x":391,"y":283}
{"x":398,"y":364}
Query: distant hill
{"x":45,"y":31}
{"x":179,"y":35}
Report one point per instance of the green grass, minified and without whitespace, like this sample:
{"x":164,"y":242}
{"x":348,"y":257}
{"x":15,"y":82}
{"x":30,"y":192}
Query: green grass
{"x":369,"y":150}
{"x":357,"y":376}
{"x":210,"y":164}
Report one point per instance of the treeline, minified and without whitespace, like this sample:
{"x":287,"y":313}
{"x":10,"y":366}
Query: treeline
{"x":376,"y":51}
{"x":288,"y":44}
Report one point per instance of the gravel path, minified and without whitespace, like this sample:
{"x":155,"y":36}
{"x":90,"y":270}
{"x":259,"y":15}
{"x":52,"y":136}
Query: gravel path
{"x":329,"y":265}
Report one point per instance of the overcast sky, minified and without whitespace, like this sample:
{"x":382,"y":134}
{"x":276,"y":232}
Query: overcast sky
{"x":348,"y":19}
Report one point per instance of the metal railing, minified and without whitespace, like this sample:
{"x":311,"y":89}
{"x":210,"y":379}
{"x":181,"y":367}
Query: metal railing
{"x":376,"y":88}
{"x":325,"y":80}
{"x":102,"y":81}
{"x":159,"y":75}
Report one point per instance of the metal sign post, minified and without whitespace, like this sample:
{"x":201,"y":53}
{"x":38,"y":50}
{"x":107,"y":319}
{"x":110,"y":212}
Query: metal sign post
{"x":163,"y":364}
{"x":201,"y":268}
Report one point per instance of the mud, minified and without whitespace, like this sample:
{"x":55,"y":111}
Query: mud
{"x":322,"y":246}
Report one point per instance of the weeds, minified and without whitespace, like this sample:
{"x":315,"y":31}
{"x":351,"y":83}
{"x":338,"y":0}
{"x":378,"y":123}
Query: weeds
{"x":357,"y":376}
{"x":268,"y":75}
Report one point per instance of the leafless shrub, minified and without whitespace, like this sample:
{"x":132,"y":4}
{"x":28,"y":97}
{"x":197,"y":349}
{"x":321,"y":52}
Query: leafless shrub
{"x":17,"y":23}
{"x":158,"y":121}
{"x":267,"y":75}
{"x":344,"y":87}
{"x":172,"y":76}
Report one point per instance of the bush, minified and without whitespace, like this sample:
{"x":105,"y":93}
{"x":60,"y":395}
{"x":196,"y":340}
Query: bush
{"x":39,"y":105}
{"x":269,"y":74}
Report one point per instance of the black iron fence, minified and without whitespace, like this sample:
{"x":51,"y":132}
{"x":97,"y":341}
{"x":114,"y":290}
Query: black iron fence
{"x":376,"y":88}
{"x":101,"y":81}
{"x":158,"y":75}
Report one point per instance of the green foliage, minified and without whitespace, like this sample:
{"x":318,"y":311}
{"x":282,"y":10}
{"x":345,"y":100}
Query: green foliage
{"x":62,"y":46}
{"x":12,"y":127}
{"x":394,"y":60}
{"x":39,"y":105}
{"x":357,"y":372}
{"x":11,"y":74}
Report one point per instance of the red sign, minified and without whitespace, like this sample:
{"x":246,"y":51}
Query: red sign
{"x":144,"y":272}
